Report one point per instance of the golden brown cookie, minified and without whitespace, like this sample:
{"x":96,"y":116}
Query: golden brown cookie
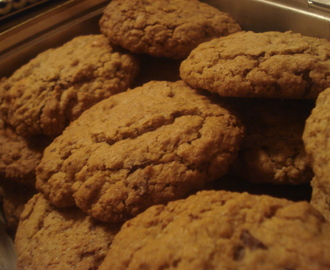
{"x":320,"y":198}
{"x":54,"y":88}
{"x":166,"y":28}
{"x":316,"y":138}
{"x":50,"y":238}
{"x":20,"y":155}
{"x":148,"y":145}
{"x":268,"y":64}
{"x":223,"y":230}
{"x":273,"y":150}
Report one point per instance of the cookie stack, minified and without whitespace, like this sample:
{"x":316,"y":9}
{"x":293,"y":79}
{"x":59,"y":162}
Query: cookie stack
{"x":172,"y":139}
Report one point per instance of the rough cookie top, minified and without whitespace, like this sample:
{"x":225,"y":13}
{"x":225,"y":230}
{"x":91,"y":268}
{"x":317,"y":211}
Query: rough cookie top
{"x":268,"y":64}
{"x":148,"y":145}
{"x":167,"y":28}
{"x":19,"y":156}
{"x":317,"y":144}
{"x":223,"y":230}
{"x":320,"y":198}
{"x":50,"y":91}
{"x":51,"y":238}
{"x":273,"y":150}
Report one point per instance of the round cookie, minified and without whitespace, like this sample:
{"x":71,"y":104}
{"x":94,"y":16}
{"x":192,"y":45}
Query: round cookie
{"x":268,"y":64}
{"x":317,"y":143}
{"x":148,"y":145}
{"x":223,"y":230}
{"x":166,"y":28}
{"x":50,"y":91}
{"x":50,"y":238}
{"x":272,"y":150}
{"x":19,"y":156}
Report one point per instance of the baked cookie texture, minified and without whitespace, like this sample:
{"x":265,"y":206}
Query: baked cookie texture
{"x":273,"y":150}
{"x":148,"y":145}
{"x":20,"y":155}
{"x":51,"y":238}
{"x":317,"y":144}
{"x":164,"y":28}
{"x":268,"y":64}
{"x":54,"y":88}
{"x":223,"y":230}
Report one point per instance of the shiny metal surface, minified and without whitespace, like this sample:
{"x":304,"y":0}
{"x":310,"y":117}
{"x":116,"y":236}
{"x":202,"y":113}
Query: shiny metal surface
{"x":49,"y":29}
{"x":7,"y":251}
{"x":279,"y":15}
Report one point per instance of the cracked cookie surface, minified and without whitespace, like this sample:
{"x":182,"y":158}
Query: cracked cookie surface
{"x":223,"y":230}
{"x":148,"y":145}
{"x":51,"y":238}
{"x":164,"y":28}
{"x":46,"y":94}
{"x":317,"y":143}
{"x":269,"y":64}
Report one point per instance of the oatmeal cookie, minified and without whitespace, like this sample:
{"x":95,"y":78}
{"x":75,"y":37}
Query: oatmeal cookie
{"x":51,"y":238}
{"x":269,"y":64}
{"x":19,"y":156}
{"x":316,"y":137}
{"x":223,"y":230}
{"x":50,"y":91}
{"x":273,"y":150}
{"x":167,"y":28}
{"x":148,"y":145}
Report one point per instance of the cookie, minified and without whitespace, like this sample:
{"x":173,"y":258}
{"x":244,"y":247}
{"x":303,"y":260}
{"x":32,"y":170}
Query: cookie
{"x":20,"y":155}
{"x":223,"y":230}
{"x":50,"y":238}
{"x":54,"y":88}
{"x":273,"y":150}
{"x":320,"y":198}
{"x":164,"y":28}
{"x":316,"y":139}
{"x":148,"y":145}
{"x":269,"y":64}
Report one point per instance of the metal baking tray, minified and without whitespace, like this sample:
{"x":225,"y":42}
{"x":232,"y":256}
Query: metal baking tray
{"x":65,"y":19}
{"x":51,"y":27}
{"x":308,"y":17}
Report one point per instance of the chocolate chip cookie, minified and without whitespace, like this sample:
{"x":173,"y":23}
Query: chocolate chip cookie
{"x":269,"y":64}
{"x":46,"y":94}
{"x":316,"y":139}
{"x":166,"y":28}
{"x":223,"y":230}
{"x":149,"y":145}
{"x":51,"y":238}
